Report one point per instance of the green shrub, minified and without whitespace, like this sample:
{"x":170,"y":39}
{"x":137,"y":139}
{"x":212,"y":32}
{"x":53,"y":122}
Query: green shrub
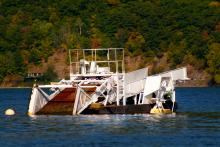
{"x":49,"y":75}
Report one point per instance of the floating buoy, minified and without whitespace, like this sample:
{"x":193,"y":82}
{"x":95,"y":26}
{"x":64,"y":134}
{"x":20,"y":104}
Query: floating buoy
{"x":9,"y":112}
{"x":156,"y":110}
{"x":96,"y":106}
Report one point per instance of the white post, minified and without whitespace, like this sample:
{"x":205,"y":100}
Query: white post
{"x":139,"y":100}
{"x":135,"y":100}
{"x":76,"y":101}
{"x":124,"y":101}
{"x":108,"y":59}
{"x":117,"y":91}
{"x":70,"y":63}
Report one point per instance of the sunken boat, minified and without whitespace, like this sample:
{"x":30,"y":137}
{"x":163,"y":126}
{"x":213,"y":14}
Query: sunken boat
{"x":98,"y":84}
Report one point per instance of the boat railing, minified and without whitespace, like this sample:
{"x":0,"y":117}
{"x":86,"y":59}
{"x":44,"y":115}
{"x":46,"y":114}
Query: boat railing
{"x":96,"y":61}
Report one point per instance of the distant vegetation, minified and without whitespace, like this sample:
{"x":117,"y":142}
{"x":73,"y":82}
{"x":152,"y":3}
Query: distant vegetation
{"x":49,"y":75}
{"x":187,"y":30}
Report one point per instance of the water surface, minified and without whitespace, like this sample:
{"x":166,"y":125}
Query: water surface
{"x":197,"y":123}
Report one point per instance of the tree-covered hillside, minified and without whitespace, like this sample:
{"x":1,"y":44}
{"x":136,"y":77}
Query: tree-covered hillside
{"x":188,"y":31}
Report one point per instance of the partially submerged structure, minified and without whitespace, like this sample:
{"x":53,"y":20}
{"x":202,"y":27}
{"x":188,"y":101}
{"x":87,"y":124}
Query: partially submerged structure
{"x":98,"y":84}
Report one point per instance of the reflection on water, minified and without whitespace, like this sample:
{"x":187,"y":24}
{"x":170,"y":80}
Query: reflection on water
{"x":195,"y":124}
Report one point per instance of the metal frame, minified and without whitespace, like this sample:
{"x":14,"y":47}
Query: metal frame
{"x":119,"y":63}
{"x":114,"y":59}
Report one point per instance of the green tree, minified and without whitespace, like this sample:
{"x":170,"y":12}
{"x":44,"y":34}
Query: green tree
{"x":176,"y":53}
{"x":213,"y":59}
{"x":135,"y":43}
{"x":49,"y":75}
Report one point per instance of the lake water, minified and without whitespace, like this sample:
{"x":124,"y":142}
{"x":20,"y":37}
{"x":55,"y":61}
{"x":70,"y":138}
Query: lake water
{"x":197,"y":123}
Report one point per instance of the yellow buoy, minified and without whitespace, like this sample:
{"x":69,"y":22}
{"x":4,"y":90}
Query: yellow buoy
{"x":96,"y":106}
{"x":9,"y":112}
{"x":156,"y":110}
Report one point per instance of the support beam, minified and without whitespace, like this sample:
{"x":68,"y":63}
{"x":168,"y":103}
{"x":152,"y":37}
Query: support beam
{"x":76,"y":100}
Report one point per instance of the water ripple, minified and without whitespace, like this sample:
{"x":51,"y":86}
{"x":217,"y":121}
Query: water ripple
{"x":195,"y":124}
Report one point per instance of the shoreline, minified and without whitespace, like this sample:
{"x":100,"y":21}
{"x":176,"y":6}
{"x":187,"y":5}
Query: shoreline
{"x":186,"y":84}
{"x":15,"y":87}
{"x":202,"y":86}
